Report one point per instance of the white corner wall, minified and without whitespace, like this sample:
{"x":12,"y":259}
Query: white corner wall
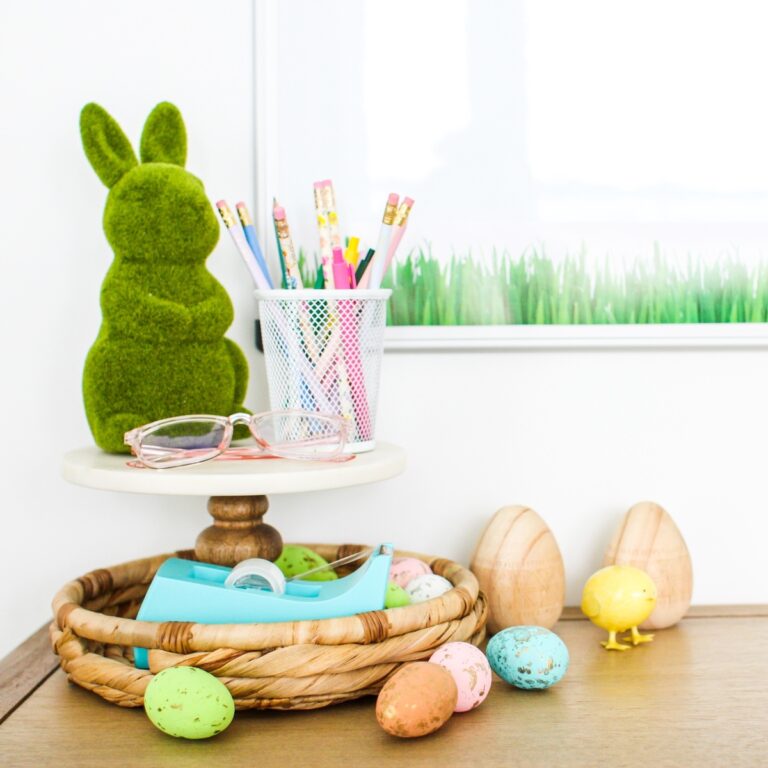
{"x":54,"y":58}
{"x":578,"y":435}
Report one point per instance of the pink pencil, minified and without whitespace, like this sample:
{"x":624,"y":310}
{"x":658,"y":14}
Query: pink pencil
{"x":401,"y":222}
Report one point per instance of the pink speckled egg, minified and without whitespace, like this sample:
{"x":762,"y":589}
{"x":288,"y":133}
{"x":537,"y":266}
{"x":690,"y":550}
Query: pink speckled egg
{"x":405,"y":569}
{"x":470,"y":670}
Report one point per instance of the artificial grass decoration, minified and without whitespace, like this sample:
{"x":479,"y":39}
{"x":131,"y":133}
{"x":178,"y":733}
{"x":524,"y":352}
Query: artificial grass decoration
{"x":533,"y":289}
{"x":161,"y":349}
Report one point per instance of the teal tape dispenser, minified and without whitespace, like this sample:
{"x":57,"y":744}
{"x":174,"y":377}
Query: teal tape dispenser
{"x":256,"y":591}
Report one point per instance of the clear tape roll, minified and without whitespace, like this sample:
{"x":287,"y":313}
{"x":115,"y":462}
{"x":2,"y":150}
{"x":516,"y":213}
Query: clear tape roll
{"x":257,"y":573}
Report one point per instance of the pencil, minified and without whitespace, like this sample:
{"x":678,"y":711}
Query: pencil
{"x":401,"y":222}
{"x":253,"y":241}
{"x":277,"y":239}
{"x":242,"y":246}
{"x":292,"y":274}
{"x":382,"y":247}
{"x":324,"y":234}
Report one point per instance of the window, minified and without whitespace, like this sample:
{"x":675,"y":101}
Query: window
{"x":590,"y":162}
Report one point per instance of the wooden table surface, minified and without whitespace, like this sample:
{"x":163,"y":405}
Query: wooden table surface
{"x":696,"y":696}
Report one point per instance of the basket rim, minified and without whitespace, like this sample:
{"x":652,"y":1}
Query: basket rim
{"x":188,"y":637}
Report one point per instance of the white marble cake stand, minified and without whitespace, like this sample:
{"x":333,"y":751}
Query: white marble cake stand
{"x":237,"y":491}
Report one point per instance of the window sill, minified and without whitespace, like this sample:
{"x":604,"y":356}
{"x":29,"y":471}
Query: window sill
{"x":567,"y":337}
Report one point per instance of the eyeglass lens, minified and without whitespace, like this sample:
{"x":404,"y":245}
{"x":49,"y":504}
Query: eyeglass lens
{"x":299,"y":435}
{"x":186,"y":441}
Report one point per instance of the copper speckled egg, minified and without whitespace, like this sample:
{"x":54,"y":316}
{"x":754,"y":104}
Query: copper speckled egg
{"x":418,"y":699}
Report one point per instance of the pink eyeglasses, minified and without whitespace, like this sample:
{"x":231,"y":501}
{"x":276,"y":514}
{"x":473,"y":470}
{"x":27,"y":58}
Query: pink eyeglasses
{"x":183,"y":440}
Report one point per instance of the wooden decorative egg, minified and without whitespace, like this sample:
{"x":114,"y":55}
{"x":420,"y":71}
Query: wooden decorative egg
{"x":649,"y":539}
{"x":520,"y":569}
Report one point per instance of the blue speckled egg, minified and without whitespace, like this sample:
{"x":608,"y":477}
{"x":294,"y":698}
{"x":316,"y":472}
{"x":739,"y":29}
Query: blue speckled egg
{"x":528,"y":657}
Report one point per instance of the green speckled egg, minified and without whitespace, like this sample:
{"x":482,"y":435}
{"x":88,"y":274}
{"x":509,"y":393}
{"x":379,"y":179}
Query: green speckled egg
{"x":295,"y":560}
{"x":188,"y":703}
{"x":528,"y":657}
{"x":396,"y":596}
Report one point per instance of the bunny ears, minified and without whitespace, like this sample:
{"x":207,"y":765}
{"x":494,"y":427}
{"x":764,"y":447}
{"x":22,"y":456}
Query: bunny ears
{"x":163,"y":140}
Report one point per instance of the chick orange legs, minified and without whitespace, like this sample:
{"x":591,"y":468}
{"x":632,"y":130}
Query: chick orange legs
{"x":612,"y":645}
{"x":637,"y":638}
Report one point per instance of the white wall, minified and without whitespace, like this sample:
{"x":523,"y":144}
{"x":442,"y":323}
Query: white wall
{"x":579,"y":436}
{"x":54,"y":58}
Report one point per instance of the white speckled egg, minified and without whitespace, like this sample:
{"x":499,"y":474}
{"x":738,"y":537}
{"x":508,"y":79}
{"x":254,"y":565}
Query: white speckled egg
{"x":405,"y":569}
{"x":427,"y":587}
{"x":471,"y":672}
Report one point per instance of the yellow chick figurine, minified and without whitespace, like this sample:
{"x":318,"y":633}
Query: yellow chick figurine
{"x":618,"y":598}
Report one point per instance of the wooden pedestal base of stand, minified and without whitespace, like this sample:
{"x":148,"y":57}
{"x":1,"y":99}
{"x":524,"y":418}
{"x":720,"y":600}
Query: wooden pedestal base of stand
{"x":238,"y":532}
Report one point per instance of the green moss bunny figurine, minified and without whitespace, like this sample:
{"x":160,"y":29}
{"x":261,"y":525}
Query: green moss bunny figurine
{"x":161,"y":349}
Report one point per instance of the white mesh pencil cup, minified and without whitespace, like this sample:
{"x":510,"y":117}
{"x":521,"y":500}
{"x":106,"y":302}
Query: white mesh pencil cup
{"x":323,"y":351}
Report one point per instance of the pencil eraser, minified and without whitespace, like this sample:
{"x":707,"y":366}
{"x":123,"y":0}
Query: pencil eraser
{"x":319,"y":184}
{"x":222,"y":204}
{"x":278,"y":212}
{"x":408,"y":201}
{"x":327,"y":183}
{"x":393,"y":198}
{"x":241,"y":204}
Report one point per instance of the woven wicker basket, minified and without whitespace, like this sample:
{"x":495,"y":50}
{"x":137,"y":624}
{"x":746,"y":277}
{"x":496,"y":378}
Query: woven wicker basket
{"x":288,"y":665}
